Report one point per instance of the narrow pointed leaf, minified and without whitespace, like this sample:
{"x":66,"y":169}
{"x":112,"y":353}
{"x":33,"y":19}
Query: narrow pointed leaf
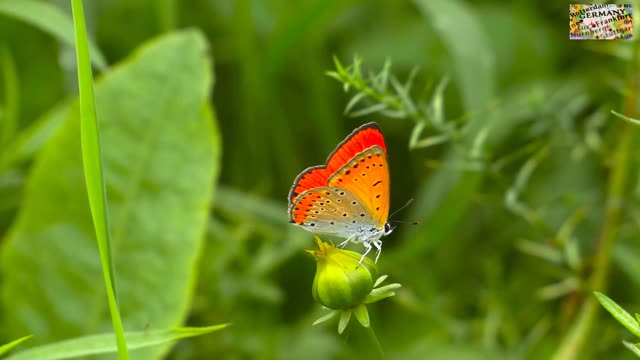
{"x":338,"y":65}
{"x":7,"y":347}
{"x":619,"y":313}
{"x":354,"y":101}
{"x":394,"y":114}
{"x":386,"y":288}
{"x":403,"y":94}
{"x":382,"y":80}
{"x":329,"y":316}
{"x":93,"y":166}
{"x":334,"y":75}
{"x":369,"y":110}
{"x":430,"y":141}
{"x":345,"y":316}
{"x":105,"y":343}
{"x":541,"y":250}
{"x":372,"y":298}
{"x":414,"y":138}
{"x":558,"y":289}
{"x":362,"y":315}
{"x":380,"y":280}
{"x":635,"y":348}
{"x":626,"y":118}
{"x":437,"y":103}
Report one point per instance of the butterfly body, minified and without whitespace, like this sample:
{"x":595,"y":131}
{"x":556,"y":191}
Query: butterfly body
{"x":347,"y":197}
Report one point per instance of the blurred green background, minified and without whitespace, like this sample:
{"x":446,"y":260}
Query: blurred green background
{"x":210,"y":108}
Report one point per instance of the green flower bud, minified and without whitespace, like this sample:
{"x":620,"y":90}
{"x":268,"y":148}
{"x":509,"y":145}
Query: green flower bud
{"x":339,"y":282}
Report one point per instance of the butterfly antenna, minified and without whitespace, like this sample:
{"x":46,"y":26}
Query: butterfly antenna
{"x":402,"y":207}
{"x":404,"y":222}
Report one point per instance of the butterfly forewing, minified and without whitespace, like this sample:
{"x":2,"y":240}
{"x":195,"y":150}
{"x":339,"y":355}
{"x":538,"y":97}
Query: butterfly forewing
{"x":330,"y":211}
{"x":366,"y":176}
{"x":361,"y":139}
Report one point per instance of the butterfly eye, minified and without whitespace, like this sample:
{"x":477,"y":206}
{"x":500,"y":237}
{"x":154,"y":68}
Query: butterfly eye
{"x":387,"y":229}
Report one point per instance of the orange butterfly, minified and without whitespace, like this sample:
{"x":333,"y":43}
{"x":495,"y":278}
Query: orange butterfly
{"x":347,"y":197}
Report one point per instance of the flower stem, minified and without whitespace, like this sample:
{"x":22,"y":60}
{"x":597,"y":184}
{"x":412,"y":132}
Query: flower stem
{"x":375,"y":344}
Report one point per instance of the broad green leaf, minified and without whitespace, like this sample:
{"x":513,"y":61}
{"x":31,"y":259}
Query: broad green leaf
{"x":161,"y":155}
{"x":7,"y":347}
{"x":50,"y":19}
{"x":619,"y":313}
{"x":105,"y":343}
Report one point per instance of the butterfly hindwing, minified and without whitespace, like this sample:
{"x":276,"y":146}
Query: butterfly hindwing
{"x":366,"y":176}
{"x":330,"y":211}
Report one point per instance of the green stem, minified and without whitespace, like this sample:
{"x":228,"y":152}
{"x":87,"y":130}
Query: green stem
{"x":373,"y":339}
{"x":573,"y":343}
{"x":11,"y":98}
{"x":167,"y":13}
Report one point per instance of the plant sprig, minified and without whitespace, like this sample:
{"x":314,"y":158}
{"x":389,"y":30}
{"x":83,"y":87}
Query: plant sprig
{"x":385,"y":94}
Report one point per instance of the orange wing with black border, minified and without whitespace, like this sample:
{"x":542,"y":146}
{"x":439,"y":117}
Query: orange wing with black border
{"x":364,"y":137}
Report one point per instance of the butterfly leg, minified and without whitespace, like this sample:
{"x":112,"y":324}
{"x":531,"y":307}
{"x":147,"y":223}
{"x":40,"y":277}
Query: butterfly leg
{"x":367,"y":246}
{"x":344,"y":243}
{"x":378,"y":245}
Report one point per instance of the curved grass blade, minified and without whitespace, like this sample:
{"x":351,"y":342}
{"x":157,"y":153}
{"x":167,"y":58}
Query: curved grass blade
{"x":105,"y":343}
{"x":7,"y":347}
{"x":626,"y":118}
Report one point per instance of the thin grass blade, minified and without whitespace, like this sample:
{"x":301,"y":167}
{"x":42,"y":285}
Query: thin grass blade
{"x":92,"y":163}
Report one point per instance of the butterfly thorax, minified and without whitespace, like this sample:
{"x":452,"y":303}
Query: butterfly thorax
{"x":368,"y":234}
